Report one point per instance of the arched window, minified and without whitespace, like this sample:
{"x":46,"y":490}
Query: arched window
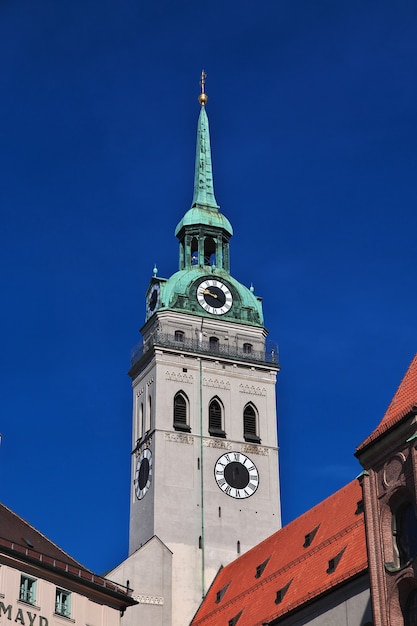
{"x":216,"y":427}
{"x":410,"y":613}
{"x":250,"y":424}
{"x":141,"y":424}
{"x":214,"y":344}
{"x":209,"y":251}
{"x":247,"y":348}
{"x":404,"y":532}
{"x":194,"y":251}
{"x":181,"y":420}
{"x":179,"y":335}
{"x":149,"y":416}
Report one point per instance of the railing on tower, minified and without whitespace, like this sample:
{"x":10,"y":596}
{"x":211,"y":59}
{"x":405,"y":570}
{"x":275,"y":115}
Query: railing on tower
{"x":224,"y":349}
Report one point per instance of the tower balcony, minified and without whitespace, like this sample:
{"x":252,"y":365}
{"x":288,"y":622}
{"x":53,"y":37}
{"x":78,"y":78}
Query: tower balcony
{"x":224,"y":349}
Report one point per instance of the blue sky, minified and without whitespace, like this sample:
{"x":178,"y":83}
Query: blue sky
{"x":312,"y":107}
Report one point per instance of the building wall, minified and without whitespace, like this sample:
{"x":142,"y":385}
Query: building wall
{"x":348,"y":605}
{"x":149,"y":572}
{"x":41,"y":612}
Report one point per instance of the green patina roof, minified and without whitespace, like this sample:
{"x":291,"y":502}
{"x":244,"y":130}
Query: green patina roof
{"x":179,"y":289}
{"x":204,"y":209}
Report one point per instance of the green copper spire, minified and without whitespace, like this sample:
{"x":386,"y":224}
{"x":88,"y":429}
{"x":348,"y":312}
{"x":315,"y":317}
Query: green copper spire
{"x":204,"y":208}
{"x":203,"y":179}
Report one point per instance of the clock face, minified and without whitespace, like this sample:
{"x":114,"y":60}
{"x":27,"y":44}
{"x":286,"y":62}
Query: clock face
{"x":214,"y":296}
{"x":143,"y":474}
{"x":236,"y":475}
{"x":152,"y":301}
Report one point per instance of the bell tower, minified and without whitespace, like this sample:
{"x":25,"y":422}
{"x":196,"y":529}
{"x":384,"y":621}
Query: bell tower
{"x":205,"y":484}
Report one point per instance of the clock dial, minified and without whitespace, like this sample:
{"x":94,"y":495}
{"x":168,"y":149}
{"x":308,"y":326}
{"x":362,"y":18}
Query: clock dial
{"x":214,"y":296}
{"x":152,"y":301}
{"x":236,"y":475}
{"x":143,"y":473}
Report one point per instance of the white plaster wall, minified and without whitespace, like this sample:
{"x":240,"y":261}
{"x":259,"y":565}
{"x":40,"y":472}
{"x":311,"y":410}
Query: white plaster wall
{"x":149,"y":571}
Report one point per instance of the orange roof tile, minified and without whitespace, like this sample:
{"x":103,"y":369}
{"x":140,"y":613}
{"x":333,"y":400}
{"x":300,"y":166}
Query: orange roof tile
{"x":340,"y":528}
{"x":404,"y":401}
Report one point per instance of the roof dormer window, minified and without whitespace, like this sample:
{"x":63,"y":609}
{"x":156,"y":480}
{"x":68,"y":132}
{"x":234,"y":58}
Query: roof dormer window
{"x":334,"y":562}
{"x":281,"y":592}
{"x":221,"y":592}
{"x":308,"y":539}
{"x":234,"y":620}
{"x":260,"y":568}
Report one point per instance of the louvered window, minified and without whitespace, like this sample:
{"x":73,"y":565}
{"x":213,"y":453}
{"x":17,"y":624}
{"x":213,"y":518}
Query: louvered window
{"x":250,"y":430}
{"x":215,"y":419}
{"x":181,"y":413}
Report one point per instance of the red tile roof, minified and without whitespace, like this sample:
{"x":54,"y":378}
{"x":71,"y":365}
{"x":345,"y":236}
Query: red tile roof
{"x":340,"y":528}
{"x":404,"y":401}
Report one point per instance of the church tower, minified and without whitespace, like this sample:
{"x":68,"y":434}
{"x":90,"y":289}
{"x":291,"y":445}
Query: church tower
{"x":204,"y":484}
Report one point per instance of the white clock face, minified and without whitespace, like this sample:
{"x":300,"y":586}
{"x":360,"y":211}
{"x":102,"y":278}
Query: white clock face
{"x":236,"y":475}
{"x":143,"y":474}
{"x":214,"y":296}
{"x":152,"y":302}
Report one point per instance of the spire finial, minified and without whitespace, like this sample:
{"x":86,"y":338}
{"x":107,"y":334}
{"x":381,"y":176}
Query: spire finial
{"x":203,"y":97}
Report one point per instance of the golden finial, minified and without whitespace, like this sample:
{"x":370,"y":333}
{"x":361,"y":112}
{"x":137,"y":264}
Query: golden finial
{"x":203,"y":97}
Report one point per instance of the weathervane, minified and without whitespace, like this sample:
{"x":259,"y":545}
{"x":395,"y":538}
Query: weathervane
{"x":203,"y":97}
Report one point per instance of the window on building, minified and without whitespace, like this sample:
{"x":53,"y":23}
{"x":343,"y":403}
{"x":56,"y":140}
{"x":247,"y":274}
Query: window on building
{"x":27,"y":591}
{"x":334,"y":562}
{"x":309,"y":537}
{"x":247,"y":348}
{"x":404,"y":532}
{"x":216,"y":418}
{"x":194,"y":251}
{"x":410,"y":613}
{"x":235,"y":619}
{"x":209,"y":251}
{"x":220,"y":593}
{"x":260,"y":568}
{"x":63,"y":603}
{"x":281,"y":592}
{"x":179,"y":336}
{"x":181,"y":421}
{"x":250,"y":424}
{"x":149,"y":415}
{"x":214,"y":344}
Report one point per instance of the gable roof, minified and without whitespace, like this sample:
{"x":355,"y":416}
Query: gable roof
{"x":403,"y":402}
{"x":22,"y":543}
{"x":16,"y":530}
{"x":297,"y":573}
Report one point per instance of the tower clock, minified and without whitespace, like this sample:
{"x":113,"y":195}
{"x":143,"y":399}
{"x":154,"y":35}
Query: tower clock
{"x":204,"y":455}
